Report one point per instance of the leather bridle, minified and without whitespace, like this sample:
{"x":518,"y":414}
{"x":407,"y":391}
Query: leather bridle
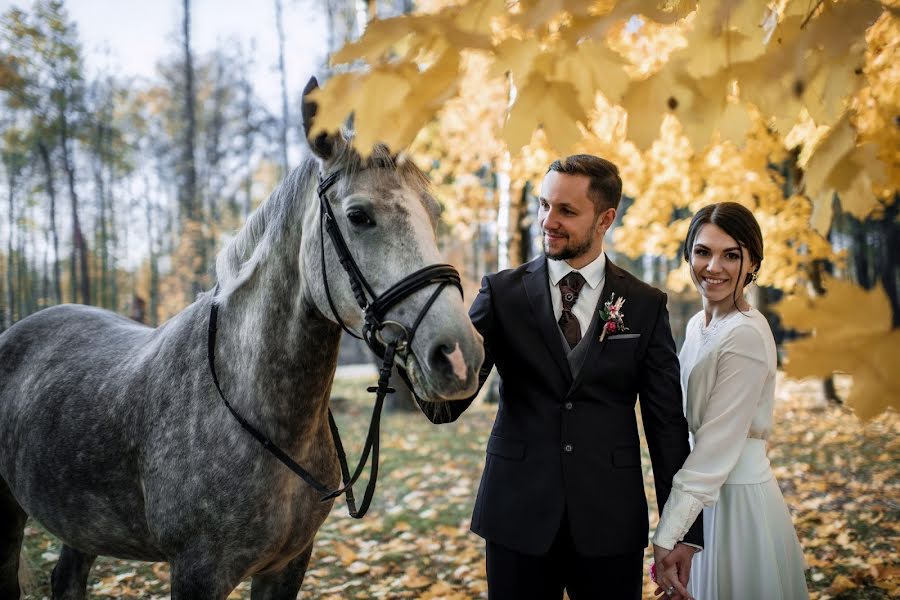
{"x":375,"y":308}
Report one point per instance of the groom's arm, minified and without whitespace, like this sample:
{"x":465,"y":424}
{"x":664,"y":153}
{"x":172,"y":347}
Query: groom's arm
{"x":665,"y":427}
{"x":482,"y":316}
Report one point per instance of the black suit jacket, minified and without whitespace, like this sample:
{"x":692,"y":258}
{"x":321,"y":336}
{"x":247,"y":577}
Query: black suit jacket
{"x":562,"y":445}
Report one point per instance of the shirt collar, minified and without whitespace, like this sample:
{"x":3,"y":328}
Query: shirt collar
{"x":593,"y":272}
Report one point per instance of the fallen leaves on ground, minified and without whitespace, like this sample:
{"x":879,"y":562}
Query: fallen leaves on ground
{"x":839,"y":478}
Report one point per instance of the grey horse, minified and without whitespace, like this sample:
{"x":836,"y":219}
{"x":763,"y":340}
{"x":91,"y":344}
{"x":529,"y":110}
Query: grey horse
{"x":112,"y":435}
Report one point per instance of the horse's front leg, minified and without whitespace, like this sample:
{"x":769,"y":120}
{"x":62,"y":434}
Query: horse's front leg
{"x":283,"y":585}
{"x":201,"y":576}
{"x":70,"y":575}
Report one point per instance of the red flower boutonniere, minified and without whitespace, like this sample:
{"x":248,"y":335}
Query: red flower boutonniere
{"x":613,"y":317}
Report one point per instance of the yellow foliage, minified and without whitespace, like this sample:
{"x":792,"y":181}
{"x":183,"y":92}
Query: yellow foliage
{"x":712,"y":65}
{"x":464,"y":139}
{"x":694,"y":101}
{"x":878,"y":103}
{"x":852,"y":332}
{"x":673,"y":183}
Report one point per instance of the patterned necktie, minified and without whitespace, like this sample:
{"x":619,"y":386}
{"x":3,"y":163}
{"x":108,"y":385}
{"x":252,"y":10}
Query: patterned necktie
{"x":569,"y":286}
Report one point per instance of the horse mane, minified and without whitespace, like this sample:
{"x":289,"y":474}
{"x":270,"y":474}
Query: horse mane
{"x":237,"y":261}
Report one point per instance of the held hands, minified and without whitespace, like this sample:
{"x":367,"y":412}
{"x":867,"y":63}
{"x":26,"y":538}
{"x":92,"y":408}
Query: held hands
{"x":673,"y":569}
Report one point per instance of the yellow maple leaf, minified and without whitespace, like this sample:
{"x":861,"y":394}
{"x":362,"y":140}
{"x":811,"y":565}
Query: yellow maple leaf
{"x":852,"y":332}
{"x":380,"y":36}
{"x":406,"y":99}
{"x":831,"y":149}
{"x":841,"y":584}
{"x":553,"y":106}
{"x":724,"y":34}
{"x":476,"y":16}
{"x":345,"y":553}
{"x":648,"y":101}
{"x":413,"y":579}
{"x":592,"y":67}
{"x":854,"y":178}
{"x":516,"y":56}
{"x":837,"y":164}
{"x":536,"y":13}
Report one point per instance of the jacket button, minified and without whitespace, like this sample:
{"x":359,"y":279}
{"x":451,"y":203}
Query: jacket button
{"x":568,"y":447}
{"x":568,"y":405}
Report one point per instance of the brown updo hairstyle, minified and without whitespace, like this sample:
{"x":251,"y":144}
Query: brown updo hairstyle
{"x":737,"y":221}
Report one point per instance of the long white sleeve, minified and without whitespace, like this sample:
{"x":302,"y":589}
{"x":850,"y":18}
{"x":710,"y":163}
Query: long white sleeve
{"x":741,"y":370}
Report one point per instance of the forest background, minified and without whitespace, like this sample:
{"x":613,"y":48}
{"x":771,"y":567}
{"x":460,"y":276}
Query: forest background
{"x":118,"y":191}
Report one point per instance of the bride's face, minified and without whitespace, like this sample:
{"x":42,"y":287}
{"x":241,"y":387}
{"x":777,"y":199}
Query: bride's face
{"x":718,"y":264}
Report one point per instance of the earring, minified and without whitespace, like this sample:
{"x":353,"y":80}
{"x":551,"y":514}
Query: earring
{"x":754,"y":276}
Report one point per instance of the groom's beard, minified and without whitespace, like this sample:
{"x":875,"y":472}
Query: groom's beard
{"x":570,"y":250}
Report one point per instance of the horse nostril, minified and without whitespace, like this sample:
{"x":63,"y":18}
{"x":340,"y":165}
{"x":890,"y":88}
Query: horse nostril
{"x":448,"y":359}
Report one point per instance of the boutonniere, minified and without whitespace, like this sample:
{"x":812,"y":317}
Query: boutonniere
{"x":612,"y":316}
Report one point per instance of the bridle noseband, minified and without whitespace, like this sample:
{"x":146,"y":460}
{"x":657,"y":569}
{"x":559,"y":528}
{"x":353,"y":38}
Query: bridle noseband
{"x":375,"y":308}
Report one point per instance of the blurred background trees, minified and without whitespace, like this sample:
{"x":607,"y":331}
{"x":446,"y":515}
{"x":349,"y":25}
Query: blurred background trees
{"x":118,"y":192}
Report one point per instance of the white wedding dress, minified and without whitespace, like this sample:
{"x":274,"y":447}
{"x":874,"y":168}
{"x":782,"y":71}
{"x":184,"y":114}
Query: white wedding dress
{"x":750,"y":547}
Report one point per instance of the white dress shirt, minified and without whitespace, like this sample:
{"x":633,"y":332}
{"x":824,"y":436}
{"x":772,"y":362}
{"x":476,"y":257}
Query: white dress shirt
{"x":594,"y":274}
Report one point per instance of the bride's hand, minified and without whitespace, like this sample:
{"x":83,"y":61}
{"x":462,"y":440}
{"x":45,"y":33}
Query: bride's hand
{"x":670,"y":585}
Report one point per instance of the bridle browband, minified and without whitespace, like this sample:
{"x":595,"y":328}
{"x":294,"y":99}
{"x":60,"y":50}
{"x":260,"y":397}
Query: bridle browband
{"x":375,"y":308}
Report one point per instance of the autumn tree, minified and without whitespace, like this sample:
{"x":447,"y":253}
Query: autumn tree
{"x":698,"y":102}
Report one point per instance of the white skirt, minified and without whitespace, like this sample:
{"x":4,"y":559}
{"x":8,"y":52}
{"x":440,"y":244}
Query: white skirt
{"x":750,"y":548}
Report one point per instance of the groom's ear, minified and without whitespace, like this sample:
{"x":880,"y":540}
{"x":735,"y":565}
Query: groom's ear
{"x":607,"y":218}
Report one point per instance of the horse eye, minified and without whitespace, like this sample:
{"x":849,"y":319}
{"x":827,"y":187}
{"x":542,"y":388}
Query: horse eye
{"x":360,"y":218}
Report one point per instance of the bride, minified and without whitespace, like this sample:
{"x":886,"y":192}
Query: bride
{"x":728,"y":377}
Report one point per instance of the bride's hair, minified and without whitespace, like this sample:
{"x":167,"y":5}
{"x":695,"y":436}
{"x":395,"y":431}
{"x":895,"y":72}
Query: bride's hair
{"x":737,"y":221}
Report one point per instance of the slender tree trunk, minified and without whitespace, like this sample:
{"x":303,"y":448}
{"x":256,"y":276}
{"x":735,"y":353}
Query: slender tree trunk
{"x":154,"y":249}
{"x":102,"y":241}
{"x":525,"y":220}
{"x":188,"y":165}
{"x":34,"y":282}
{"x":114,"y":241}
{"x":79,"y":246}
{"x":890,"y":256}
{"x":10,"y":260}
{"x":861,"y":254}
{"x":54,"y":232}
{"x":215,"y":179}
{"x":21,"y":277}
{"x":153,"y":315}
{"x":285,"y":118}
{"x":45,"y":272}
{"x":247,"y":112}
{"x":191,"y":209}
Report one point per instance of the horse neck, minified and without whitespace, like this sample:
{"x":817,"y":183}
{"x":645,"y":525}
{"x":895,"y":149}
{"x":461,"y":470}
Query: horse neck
{"x":278,"y":352}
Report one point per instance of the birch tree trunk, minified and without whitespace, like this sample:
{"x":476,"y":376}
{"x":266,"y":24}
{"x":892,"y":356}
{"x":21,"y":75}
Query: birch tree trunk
{"x":285,"y":117}
{"x":79,"y":246}
{"x":44,"y":153}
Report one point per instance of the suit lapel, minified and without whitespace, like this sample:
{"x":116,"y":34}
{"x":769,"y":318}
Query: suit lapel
{"x":537,"y":288}
{"x":614,"y":283}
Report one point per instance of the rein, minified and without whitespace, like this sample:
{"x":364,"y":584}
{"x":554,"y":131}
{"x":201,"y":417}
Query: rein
{"x":375,"y":311}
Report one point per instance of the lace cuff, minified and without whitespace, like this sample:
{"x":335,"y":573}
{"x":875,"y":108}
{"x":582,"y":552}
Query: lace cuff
{"x":678,"y":515}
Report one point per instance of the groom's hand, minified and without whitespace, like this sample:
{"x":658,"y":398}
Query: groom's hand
{"x":673,"y":569}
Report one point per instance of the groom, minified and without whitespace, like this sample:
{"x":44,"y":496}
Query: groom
{"x":561,"y":503}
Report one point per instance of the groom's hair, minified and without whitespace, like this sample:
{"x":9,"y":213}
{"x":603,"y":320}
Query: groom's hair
{"x":605,"y":187}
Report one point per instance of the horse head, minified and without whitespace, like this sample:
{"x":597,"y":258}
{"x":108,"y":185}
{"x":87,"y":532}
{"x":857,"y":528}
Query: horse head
{"x":384,"y":212}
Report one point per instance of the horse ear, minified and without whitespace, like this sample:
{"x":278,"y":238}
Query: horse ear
{"x":323,"y":145}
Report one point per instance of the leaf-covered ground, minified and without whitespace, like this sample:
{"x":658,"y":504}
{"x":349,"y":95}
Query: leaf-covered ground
{"x":840,"y":479}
